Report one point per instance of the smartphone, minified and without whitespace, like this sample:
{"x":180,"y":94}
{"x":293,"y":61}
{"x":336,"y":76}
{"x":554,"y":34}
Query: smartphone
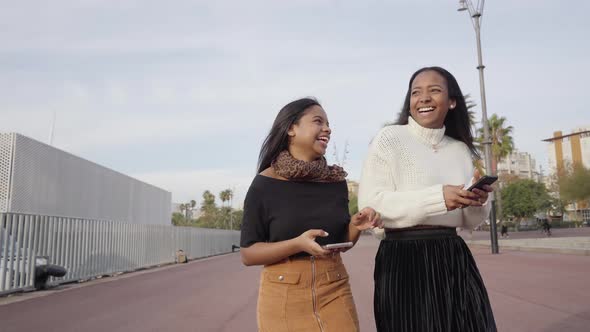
{"x":338,"y":245}
{"x":486,"y":179}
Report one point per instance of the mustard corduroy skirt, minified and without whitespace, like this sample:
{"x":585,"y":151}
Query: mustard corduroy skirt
{"x":306,"y":294}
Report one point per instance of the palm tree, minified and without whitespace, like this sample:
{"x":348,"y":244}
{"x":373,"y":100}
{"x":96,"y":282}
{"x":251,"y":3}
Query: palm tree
{"x":190,"y":206}
{"x":501,"y":137}
{"x":208,"y":202}
{"x":226,"y":196}
{"x":470,"y":104}
{"x":230,"y":196}
{"x":223,"y":196}
{"x":183,"y":208}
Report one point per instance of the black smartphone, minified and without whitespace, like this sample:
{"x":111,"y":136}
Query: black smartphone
{"x":486,"y":179}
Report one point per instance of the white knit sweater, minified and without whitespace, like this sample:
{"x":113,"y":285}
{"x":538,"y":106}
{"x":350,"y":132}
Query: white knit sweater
{"x":404,"y":174}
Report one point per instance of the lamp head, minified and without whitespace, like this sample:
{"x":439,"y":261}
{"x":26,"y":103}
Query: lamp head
{"x":462,"y":6}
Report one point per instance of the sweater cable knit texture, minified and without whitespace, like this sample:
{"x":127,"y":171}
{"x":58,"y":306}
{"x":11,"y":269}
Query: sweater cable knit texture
{"x":404,"y":173}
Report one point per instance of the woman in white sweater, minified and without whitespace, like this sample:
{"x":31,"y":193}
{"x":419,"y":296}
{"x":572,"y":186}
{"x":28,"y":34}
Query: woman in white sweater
{"x":415,"y":175}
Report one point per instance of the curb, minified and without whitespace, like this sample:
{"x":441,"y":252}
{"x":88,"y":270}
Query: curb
{"x":31,"y":293}
{"x":548,"y":250}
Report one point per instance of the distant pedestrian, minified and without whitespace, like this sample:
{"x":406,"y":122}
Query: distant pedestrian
{"x":504,"y":231}
{"x":546,"y":227}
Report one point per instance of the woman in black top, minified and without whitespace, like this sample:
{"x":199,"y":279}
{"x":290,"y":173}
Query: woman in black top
{"x":295,"y":205}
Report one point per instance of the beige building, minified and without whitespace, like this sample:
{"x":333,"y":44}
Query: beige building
{"x":567,"y":151}
{"x":520,"y":164}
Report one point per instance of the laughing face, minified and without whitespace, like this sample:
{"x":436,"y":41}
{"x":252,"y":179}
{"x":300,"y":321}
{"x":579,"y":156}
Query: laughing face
{"x":429,"y":99}
{"x":310,"y":136}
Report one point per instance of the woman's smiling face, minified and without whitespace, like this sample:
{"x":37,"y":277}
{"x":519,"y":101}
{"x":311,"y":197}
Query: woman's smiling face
{"x":310,"y":136}
{"x":429,"y":99}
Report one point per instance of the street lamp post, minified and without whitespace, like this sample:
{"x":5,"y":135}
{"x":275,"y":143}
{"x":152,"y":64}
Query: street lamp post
{"x":475,"y":14}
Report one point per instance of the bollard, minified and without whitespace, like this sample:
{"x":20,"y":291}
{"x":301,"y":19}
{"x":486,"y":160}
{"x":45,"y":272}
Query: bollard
{"x":44,"y":270}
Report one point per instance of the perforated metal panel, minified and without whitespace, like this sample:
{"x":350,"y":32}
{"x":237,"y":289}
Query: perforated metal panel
{"x":49,"y":181}
{"x":6,"y":148}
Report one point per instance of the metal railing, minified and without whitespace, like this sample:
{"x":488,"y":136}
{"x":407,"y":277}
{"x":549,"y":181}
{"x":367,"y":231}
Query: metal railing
{"x":91,"y":248}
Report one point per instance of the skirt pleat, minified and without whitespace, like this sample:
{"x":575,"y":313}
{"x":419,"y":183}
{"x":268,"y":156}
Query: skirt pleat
{"x":427,"y":280}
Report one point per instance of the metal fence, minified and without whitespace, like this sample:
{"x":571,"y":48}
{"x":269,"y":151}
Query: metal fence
{"x":91,"y":248}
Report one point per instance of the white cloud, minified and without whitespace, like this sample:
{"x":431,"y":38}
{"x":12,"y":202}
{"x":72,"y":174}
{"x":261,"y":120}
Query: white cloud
{"x":187,"y":185}
{"x":122,"y":73}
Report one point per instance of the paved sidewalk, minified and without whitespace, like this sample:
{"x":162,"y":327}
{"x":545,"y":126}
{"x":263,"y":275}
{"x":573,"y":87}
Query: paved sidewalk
{"x":528,"y":291}
{"x":534,"y":234}
{"x":572,"y":241}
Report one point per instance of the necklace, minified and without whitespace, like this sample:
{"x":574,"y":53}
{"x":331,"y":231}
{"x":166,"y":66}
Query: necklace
{"x":431,"y":137}
{"x":435,"y":147}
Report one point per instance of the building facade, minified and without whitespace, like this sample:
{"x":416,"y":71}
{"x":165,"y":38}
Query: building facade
{"x":565,"y":152}
{"x":520,"y":164}
{"x":569,"y":150}
{"x":36,"y":178}
{"x":353,"y":187}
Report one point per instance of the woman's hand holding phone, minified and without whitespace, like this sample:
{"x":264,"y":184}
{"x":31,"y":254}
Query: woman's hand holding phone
{"x":481,"y":191}
{"x":364,"y":219}
{"x":306,"y":242}
{"x":457,"y":197}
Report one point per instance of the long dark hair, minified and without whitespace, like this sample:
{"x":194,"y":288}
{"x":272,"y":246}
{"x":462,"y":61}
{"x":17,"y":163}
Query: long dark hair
{"x":456,"y":122}
{"x":278,"y":137}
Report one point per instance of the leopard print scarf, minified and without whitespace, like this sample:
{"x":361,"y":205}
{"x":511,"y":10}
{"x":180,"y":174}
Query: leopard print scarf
{"x":314,"y":171}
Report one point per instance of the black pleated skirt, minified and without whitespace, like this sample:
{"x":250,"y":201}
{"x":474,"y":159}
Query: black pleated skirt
{"x":427,"y":280}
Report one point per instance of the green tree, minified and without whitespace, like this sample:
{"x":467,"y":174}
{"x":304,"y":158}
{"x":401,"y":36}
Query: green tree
{"x":230,"y":196}
{"x":178,"y":219}
{"x":226,"y":196}
{"x":227,"y":217}
{"x":224,"y":217}
{"x":237,"y":216}
{"x":208,"y":221}
{"x":208,"y":203}
{"x":575,"y":186}
{"x":558,"y":204}
{"x":522,"y":199}
{"x":353,"y":204}
{"x":189,"y":208}
{"x":224,"y":212}
{"x":501,"y":137}
{"x":209,"y":211}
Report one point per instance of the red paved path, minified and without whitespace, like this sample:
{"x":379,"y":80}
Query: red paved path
{"x":529,"y":292}
{"x":555,"y":233}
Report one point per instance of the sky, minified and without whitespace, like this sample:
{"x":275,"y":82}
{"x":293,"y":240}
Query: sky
{"x":181,"y":94}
